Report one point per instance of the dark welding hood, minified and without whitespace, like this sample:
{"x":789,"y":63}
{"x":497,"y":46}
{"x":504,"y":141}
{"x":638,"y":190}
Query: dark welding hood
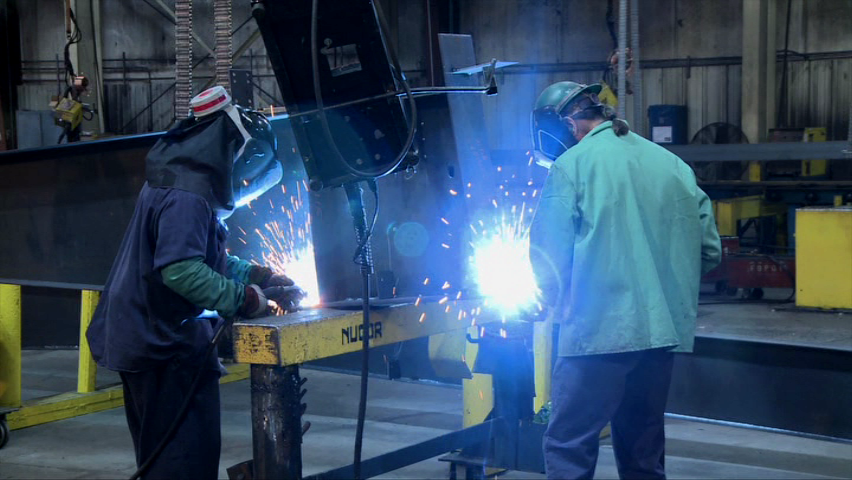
{"x":228,"y":157}
{"x":364,"y":130}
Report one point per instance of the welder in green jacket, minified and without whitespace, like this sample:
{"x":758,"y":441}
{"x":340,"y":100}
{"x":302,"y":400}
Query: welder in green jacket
{"x":620,"y":239}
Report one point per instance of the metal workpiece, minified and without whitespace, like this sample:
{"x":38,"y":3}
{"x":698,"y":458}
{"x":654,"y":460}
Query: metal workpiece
{"x":735,"y":152}
{"x":325,"y":332}
{"x":276,"y":415}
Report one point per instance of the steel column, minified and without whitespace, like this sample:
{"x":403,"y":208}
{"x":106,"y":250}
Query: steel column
{"x":758,"y":76}
{"x":276,"y":416}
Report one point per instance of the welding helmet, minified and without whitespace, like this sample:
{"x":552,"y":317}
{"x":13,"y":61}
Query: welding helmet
{"x":223,"y":152}
{"x":552,"y":133}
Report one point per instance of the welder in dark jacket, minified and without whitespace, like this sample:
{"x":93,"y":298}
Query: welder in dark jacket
{"x":172,"y":266}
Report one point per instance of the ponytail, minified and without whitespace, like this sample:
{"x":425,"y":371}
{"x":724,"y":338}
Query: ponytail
{"x":619,"y":126}
{"x":604,"y":112}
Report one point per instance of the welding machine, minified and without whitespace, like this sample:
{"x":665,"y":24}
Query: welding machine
{"x":343,"y":79}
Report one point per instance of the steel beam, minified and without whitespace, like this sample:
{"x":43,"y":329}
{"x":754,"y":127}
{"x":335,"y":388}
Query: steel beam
{"x":760,"y":151}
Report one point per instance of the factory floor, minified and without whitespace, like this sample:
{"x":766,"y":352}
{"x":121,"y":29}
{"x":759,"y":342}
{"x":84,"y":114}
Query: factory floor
{"x":399,"y":413}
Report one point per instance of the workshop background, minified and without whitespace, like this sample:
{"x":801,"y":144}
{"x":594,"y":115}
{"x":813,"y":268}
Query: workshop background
{"x":692,"y":55}
{"x":756,"y":95}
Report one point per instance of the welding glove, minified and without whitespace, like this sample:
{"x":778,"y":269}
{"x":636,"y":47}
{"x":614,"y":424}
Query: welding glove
{"x":287,"y":297}
{"x":255,"y":304}
{"x":265,"y":277}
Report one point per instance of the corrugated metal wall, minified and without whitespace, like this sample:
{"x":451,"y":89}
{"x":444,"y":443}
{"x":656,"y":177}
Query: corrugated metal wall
{"x":553,"y":38}
{"x":136,"y":73}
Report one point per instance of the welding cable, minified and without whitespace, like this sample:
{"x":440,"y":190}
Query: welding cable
{"x":358,"y":258}
{"x":355,"y":196}
{"x":365,"y":371}
{"x":186,"y":401}
{"x":397,"y":70}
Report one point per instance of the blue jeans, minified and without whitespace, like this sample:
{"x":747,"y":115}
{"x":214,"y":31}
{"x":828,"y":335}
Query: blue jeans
{"x":627,"y":389}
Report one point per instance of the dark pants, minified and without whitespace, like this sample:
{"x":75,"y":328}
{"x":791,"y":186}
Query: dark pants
{"x":627,"y":389}
{"x":152,"y":400}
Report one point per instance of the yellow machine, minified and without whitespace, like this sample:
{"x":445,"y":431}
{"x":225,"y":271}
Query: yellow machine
{"x":824,"y":257}
{"x":68,"y":113}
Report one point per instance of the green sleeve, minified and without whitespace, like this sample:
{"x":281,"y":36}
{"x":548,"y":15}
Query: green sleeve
{"x":195,"y":281}
{"x":238,"y":269}
{"x":552,"y":236}
{"x":711,"y":245}
{"x":247,"y":272}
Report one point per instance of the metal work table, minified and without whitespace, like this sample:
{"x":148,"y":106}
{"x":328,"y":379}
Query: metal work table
{"x":275,"y":346}
{"x":768,"y":364}
{"x":325,"y":332}
{"x":781,"y":324}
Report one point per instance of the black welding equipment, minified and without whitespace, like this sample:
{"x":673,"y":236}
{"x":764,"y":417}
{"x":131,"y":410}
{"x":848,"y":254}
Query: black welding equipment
{"x":345,"y":95}
{"x":342,"y":90}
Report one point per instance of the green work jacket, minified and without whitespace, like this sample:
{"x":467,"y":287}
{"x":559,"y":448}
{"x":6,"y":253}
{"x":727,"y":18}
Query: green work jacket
{"x":620,"y":239}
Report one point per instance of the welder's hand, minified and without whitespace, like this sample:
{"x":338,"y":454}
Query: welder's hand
{"x":255,"y":303}
{"x":279,"y":280}
{"x":266,"y":277}
{"x":287,"y":297}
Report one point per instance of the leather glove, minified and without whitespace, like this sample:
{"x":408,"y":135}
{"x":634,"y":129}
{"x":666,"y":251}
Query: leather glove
{"x":279,"y":281}
{"x":287,"y":297}
{"x":265,"y":277}
{"x":255,"y":303}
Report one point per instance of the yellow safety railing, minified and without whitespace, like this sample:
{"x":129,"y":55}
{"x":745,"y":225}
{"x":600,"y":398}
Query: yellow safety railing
{"x":10,"y":346}
{"x":87,"y":399}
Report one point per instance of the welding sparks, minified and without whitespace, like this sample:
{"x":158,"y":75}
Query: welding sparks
{"x":287,"y":246}
{"x":501,"y":265}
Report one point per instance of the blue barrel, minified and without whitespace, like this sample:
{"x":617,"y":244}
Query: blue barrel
{"x":667,"y":124}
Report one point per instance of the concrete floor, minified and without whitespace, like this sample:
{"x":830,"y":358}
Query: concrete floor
{"x":399,"y":414}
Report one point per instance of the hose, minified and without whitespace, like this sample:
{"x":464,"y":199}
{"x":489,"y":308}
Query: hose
{"x":638,"y":110}
{"x":364,"y":258}
{"x":622,"y":57}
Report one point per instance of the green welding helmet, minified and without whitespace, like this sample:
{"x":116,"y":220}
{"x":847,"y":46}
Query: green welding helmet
{"x":551,"y":134}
